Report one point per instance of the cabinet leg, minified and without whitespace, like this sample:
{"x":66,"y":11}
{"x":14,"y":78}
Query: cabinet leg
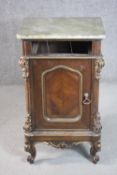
{"x":29,"y":147}
{"x":96,"y":146}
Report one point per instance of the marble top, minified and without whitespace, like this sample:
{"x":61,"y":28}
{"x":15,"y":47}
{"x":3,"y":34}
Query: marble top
{"x":62,"y":28}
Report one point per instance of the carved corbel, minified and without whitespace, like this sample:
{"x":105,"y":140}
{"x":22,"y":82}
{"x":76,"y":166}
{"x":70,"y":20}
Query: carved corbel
{"x":62,"y":144}
{"x":28,"y":124}
{"x":97,"y":124}
{"x":23,"y":62}
{"x":99,"y":64}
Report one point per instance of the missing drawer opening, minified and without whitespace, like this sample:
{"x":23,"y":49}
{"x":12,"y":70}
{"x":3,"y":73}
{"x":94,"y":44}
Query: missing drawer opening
{"x":61,"y":47}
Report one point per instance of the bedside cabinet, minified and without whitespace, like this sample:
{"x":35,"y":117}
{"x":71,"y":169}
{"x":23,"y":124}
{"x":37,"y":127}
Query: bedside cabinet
{"x":61,"y":64}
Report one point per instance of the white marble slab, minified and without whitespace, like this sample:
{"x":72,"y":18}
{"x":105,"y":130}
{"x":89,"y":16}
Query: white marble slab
{"x":62,"y":28}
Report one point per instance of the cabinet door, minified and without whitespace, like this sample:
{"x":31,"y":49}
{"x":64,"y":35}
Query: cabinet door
{"x":58,"y":88}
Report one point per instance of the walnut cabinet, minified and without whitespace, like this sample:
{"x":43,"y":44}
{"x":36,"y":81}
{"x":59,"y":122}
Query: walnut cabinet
{"x":61,"y":63}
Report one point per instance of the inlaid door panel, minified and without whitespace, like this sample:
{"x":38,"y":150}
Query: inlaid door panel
{"x":57,"y":93}
{"x":61,"y":94}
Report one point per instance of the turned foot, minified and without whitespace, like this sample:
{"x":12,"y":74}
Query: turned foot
{"x":29,"y":147}
{"x":96,"y":146}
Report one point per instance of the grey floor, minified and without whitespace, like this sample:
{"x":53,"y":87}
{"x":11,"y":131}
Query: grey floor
{"x":50,"y":160}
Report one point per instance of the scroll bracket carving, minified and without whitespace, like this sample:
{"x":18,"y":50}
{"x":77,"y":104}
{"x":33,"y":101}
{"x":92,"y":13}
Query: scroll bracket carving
{"x":28,"y":124}
{"x":24,"y":64}
{"x":97,"y":124}
{"x":99,"y":64}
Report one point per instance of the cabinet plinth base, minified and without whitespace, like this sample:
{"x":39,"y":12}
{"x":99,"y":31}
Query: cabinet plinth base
{"x":62,"y":141}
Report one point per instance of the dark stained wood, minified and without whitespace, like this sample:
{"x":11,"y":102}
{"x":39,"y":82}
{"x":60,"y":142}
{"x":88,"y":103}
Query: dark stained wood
{"x":26,"y":47}
{"x":96,"y":47}
{"x":96,"y":50}
{"x":76,"y":139}
{"x":55,"y":91}
{"x":61,"y":93}
{"x":37,"y":68}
